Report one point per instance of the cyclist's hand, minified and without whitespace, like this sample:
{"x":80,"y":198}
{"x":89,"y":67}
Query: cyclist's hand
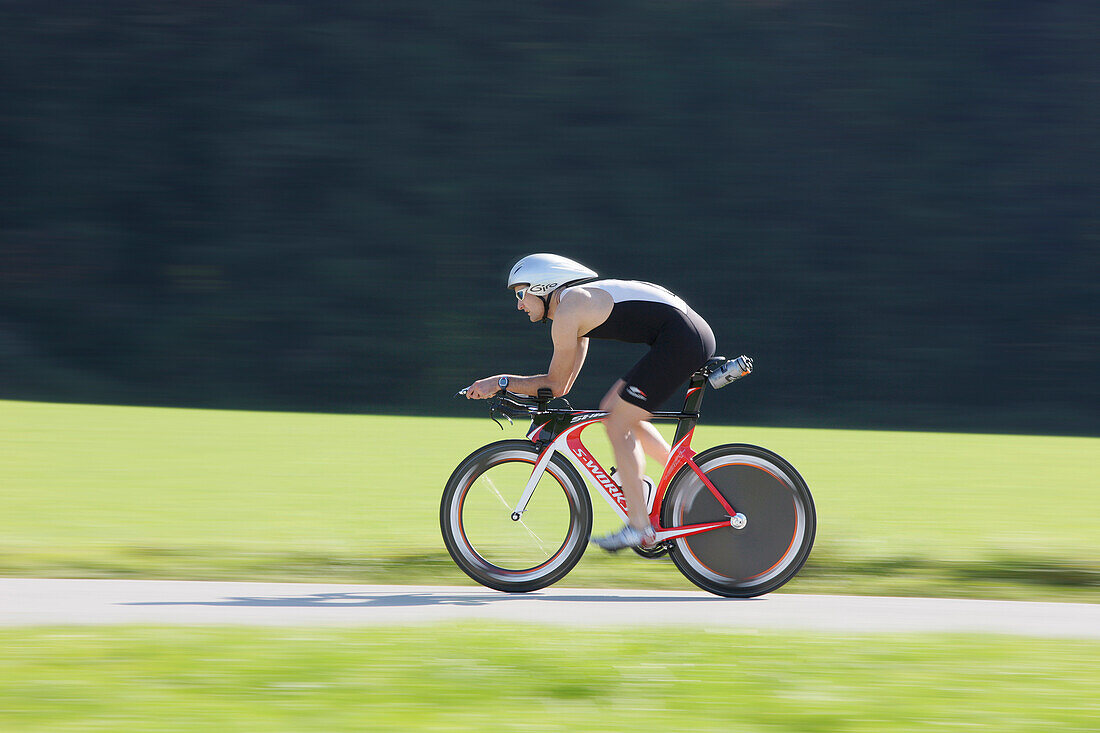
{"x":483,"y":389}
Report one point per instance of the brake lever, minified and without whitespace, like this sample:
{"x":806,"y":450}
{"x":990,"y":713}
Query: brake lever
{"x":494,"y":409}
{"x":502,"y":414}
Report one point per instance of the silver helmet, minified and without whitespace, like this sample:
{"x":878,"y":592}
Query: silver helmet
{"x":544,"y":273}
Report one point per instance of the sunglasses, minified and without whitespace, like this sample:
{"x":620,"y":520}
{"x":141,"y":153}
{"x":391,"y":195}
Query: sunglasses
{"x":520,"y":292}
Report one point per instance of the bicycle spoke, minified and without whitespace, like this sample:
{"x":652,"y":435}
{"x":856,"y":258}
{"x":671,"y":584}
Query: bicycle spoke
{"x":535,"y":537}
{"x":519,"y":555}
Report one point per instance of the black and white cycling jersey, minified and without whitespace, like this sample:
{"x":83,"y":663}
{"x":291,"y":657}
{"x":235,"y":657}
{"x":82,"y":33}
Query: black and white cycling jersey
{"x":644,"y":313}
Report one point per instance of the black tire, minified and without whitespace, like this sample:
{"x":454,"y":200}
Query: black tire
{"x":773,"y":546}
{"x":475,"y":517}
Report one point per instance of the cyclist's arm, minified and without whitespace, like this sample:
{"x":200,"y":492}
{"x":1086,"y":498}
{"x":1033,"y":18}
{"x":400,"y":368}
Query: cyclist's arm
{"x":569,"y":353}
{"x":570,"y":350}
{"x":582,"y":351}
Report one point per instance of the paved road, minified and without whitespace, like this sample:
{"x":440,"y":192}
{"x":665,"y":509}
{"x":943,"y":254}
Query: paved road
{"x":31,"y":602}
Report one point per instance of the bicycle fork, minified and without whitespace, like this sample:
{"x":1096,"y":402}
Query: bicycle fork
{"x":568,"y":443}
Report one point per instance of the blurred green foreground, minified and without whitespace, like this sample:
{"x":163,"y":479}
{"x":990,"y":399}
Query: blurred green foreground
{"x":510,"y":678}
{"x":94,"y":491}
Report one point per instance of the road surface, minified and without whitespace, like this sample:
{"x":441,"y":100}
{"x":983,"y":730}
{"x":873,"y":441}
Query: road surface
{"x":33,"y":602}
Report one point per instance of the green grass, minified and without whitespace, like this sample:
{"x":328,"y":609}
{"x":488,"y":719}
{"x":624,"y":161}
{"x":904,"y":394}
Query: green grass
{"x":95,"y":491}
{"x":513,"y":678}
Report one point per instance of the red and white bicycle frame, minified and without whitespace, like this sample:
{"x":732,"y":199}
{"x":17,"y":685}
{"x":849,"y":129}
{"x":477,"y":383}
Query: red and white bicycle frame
{"x":568,"y":443}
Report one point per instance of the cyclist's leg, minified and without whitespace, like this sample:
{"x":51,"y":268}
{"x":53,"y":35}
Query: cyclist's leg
{"x":674,"y":355}
{"x":623,"y":425}
{"x":653,"y":443}
{"x":649,"y":439}
{"x":612,"y":396}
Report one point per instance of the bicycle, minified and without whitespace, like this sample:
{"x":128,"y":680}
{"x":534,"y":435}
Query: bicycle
{"x":737,"y":520}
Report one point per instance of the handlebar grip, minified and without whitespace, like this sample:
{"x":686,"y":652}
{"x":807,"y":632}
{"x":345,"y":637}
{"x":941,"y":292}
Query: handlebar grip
{"x":515,"y":400}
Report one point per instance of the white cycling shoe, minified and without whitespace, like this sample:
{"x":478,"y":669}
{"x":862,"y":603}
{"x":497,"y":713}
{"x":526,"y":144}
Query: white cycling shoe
{"x":628,"y":536}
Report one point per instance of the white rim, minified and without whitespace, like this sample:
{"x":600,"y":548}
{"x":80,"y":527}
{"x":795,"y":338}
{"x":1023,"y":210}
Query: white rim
{"x":484,"y":566}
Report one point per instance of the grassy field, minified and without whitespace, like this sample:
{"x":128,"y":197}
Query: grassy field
{"x":510,"y":678}
{"x":99,"y":491}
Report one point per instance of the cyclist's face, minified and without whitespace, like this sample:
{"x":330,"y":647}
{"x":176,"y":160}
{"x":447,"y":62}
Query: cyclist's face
{"x":529,"y":304}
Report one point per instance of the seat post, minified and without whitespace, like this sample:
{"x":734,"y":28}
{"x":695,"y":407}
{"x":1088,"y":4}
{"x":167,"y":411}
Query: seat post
{"x":697,"y":385}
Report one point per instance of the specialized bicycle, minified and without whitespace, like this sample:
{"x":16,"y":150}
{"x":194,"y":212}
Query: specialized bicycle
{"x":516,"y":515}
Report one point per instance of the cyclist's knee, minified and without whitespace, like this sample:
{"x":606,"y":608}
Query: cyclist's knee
{"x":624,"y":419}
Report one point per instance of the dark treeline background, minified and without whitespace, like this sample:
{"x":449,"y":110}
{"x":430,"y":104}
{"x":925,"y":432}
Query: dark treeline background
{"x":313,"y":205}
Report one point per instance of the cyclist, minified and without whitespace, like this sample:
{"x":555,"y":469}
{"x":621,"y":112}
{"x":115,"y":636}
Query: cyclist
{"x":582,"y":306}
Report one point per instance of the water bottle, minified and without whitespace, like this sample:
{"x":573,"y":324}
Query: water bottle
{"x":731,"y":370}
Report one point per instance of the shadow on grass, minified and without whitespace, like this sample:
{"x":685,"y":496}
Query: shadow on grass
{"x":1006,"y":568}
{"x":1003,"y":576}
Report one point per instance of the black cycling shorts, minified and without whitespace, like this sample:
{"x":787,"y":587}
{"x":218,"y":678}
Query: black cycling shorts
{"x":683,"y":345}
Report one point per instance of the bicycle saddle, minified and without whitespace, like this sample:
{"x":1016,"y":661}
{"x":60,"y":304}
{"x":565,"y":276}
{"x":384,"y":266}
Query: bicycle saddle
{"x":712,"y":363}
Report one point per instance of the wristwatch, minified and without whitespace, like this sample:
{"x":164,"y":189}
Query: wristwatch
{"x":503,"y":382}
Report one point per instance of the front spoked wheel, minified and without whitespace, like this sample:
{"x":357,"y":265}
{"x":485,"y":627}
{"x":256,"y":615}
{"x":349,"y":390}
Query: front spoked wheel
{"x":780,"y":521}
{"x":514,"y":555}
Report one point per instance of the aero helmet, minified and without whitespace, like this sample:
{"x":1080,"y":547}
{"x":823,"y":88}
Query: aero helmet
{"x":545,"y":273}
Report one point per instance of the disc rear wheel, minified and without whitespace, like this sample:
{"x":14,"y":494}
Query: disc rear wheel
{"x":780,"y":521}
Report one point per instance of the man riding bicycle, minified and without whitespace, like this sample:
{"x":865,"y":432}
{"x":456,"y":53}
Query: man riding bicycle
{"x":583,"y":306}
